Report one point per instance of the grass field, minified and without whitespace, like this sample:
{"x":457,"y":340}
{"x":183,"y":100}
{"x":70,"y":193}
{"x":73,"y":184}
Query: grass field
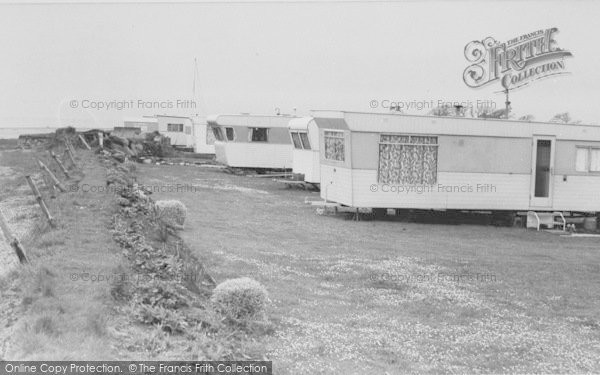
{"x":392,"y":297}
{"x":346,"y":297}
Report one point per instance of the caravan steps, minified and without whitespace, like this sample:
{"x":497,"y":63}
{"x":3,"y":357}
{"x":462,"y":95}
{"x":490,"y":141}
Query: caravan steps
{"x":548,"y":219}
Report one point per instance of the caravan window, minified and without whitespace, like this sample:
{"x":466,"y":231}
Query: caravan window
{"x":581,"y":162}
{"x":587,"y":159}
{"x":594,"y":160}
{"x":334,"y":145}
{"x":407,"y":159}
{"x":175,"y":128}
{"x":296,"y":140}
{"x":305,"y":141}
{"x":259,"y":134}
{"x":218,"y":134}
{"x":230,"y":134}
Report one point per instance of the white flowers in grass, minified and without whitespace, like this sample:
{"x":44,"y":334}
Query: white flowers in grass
{"x":171,"y":212}
{"x":240,"y":298}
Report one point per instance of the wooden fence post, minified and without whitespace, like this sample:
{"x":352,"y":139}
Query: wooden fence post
{"x":70,"y":153}
{"x":13,"y":240}
{"x":60,"y":164}
{"x":70,"y":147}
{"x":49,"y":185}
{"x":84,"y":142}
{"x":70,"y":156}
{"x":52,"y":176}
{"x":101,"y":139}
{"x":40,"y":200}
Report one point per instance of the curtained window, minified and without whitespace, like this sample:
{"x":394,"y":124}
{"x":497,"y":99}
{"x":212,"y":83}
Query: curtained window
{"x":594,"y":160}
{"x":407,"y":159}
{"x":587,"y":159}
{"x":334,"y":145}
{"x":581,"y":161}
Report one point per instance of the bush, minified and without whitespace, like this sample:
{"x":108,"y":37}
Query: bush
{"x":123,"y":202}
{"x":170,"y":212}
{"x":241,"y":298}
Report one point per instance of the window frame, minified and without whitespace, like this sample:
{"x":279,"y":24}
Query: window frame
{"x":343,"y":138}
{"x":409,"y":135}
{"x":219,"y":137}
{"x":296,"y":142}
{"x":300,"y":134}
{"x":169,"y":129}
{"x":227,"y":128}
{"x":588,"y":160}
{"x":251,"y":134}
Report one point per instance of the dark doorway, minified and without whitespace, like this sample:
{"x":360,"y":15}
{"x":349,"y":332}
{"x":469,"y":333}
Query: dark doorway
{"x":542,"y":168}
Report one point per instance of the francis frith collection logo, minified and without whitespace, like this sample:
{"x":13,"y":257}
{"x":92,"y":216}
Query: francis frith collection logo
{"x":515,"y":63}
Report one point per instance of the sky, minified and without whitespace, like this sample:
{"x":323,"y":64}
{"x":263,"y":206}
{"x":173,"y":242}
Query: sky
{"x":61,"y":61}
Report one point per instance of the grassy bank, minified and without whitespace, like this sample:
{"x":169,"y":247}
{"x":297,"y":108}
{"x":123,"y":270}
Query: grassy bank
{"x":107,"y":284}
{"x":55,"y":313}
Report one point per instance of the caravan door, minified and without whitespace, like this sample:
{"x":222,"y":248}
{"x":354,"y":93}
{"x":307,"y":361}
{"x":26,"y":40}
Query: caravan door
{"x":542,"y":172}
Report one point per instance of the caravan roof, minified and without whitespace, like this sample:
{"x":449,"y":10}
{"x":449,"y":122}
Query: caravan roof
{"x":416,"y":124}
{"x":300,"y":123}
{"x":272,"y":121}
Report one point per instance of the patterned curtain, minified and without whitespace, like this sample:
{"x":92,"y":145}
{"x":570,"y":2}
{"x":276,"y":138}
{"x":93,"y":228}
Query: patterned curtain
{"x":407,"y":160}
{"x":430,"y":160}
{"x":334,"y":146}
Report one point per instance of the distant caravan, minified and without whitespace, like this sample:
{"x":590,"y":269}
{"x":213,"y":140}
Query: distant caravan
{"x":454,"y":163}
{"x":185,"y":133}
{"x":305,"y":139}
{"x":252,"y":141}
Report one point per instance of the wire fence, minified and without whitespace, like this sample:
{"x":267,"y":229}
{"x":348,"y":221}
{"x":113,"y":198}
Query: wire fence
{"x":20,"y":215}
{"x":23,"y":212}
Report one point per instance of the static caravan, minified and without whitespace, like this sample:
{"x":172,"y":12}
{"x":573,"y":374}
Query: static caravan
{"x":204,"y":140}
{"x":178,"y":129}
{"x":305,"y":156}
{"x":252,"y":141}
{"x":145,"y":124}
{"x":423,"y":162}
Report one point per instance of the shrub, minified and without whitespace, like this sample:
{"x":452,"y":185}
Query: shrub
{"x":241,"y":298}
{"x":123,"y":202}
{"x":170,"y":212}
